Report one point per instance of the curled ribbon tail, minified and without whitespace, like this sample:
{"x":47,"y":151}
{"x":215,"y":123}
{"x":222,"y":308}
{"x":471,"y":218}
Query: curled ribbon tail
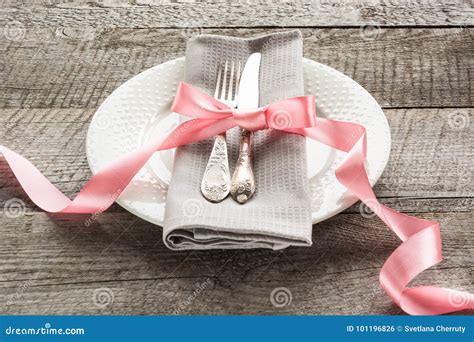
{"x":419,"y":300}
{"x":421,"y":248}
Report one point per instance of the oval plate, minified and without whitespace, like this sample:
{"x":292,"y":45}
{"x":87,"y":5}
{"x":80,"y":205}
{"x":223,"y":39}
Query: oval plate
{"x":140,"y":109}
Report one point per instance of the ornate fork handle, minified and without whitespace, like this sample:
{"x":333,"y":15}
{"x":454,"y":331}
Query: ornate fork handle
{"x":243,"y":180}
{"x":215,"y":185}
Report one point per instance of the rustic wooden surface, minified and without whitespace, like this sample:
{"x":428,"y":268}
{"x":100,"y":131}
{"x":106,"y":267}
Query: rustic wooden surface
{"x":58,"y":62}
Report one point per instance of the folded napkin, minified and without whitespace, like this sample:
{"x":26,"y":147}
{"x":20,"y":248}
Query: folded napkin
{"x":279,"y":213}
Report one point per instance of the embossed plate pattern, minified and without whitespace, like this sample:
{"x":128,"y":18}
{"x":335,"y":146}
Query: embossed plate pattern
{"x":140,"y":109}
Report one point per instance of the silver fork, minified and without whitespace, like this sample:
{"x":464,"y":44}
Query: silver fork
{"x":215,"y":184}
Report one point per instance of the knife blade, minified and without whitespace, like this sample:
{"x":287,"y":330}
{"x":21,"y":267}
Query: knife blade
{"x":248,"y":94}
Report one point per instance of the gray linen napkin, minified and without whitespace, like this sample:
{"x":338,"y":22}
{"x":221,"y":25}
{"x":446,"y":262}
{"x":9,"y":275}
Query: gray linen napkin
{"x":279,"y":213}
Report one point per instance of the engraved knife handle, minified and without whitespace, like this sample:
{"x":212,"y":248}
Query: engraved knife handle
{"x":215,"y":184}
{"x":243,"y":180}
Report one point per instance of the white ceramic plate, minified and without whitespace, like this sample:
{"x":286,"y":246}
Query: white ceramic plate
{"x":140,"y":109}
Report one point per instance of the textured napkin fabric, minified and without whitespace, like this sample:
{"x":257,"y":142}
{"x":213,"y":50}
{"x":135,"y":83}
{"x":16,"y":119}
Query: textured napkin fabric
{"x":279,"y":213}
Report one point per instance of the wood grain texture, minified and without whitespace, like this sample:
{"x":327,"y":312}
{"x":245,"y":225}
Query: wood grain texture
{"x":163,"y":14}
{"x":53,"y":264}
{"x":428,"y":170}
{"x":402,"y":67}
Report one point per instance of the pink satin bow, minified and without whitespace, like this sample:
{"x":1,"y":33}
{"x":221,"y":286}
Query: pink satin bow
{"x":421,"y":247}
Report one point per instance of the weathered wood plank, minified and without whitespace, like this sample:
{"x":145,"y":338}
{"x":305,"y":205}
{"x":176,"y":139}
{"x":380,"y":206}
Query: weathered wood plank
{"x":430,"y":144}
{"x":429,"y":167}
{"x":400,"y":67}
{"x":158,"y":13}
{"x":211,"y":296}
{"x":54,"y":265}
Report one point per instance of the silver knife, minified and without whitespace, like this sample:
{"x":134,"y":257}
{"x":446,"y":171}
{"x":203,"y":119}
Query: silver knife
{"x":243,"y":180}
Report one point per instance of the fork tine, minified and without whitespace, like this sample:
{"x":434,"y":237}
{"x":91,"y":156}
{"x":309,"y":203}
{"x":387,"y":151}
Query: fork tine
{"x":224,"y":82}
{"x":237,"y":80}
{"x":231,"y":82}
{"x":218,"y":82}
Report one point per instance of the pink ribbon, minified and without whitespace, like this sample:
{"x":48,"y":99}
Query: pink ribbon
{"x":421,"y":247}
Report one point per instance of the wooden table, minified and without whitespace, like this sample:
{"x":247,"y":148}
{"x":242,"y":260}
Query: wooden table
{"x":60,"y":61}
